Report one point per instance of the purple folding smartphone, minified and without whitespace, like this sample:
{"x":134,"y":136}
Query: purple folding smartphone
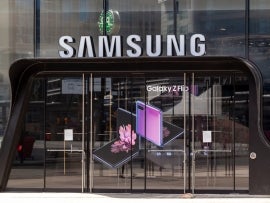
{"x":149,"y":123}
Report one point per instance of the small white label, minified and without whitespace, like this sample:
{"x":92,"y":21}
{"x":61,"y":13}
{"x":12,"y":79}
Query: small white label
{"x":207,"y":136}
{"x":68,"y":134}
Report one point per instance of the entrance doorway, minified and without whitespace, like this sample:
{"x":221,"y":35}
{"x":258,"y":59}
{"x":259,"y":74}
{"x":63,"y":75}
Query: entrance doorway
{"x":100,"y":127}
{"x":147,"y":132}
{"x":65,"y":159}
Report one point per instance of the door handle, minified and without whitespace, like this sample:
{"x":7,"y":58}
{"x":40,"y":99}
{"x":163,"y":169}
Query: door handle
{"x":253,"y":155}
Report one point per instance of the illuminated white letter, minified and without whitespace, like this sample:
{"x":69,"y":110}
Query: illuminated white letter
{"x":86,"y":45}
{"x":179,"y":48}
{"x":113,"y":49}
{"x":137,"y":50}
{"x":149,"y":46}
{"x":69,"y":50}
{"x":196,"y":48}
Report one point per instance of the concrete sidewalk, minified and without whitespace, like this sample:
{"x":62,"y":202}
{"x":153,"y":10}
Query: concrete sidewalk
{"x":129,"y":198}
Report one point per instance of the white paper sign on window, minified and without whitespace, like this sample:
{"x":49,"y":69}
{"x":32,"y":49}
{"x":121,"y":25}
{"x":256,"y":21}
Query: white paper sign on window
{"x":207,"y":136}
{"x":68,"y":134}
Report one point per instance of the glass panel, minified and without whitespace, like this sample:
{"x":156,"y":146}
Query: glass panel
{"x":221,"y":22}
{"x":259,"y":48}
{"x":213,"y":132}
{"x":213,"y":111}
{"x":16,"y":22}
{"x":164,"y":129}
{"x":64,"y":134}
{"x":28,"y":166}
{"x":115,"y":141}
{"x":150,"y":157}
{"x":221,"y":133}
{"x":67,"y":17}
{"x":241,"y":141}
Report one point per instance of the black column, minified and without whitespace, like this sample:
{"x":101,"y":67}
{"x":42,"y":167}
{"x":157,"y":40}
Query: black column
{"x":36,"y":28}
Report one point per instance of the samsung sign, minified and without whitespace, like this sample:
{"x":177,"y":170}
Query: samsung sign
{"x":112,"y":46}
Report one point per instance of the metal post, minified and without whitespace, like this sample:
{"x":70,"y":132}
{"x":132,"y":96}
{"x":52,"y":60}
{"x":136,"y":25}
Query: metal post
{"x":44,"y":129}
{"x":36,"y":28}
{"x":184,"y":161}
{"x":91,"y":133}
{"x":193,"y":138}
{"x":247,"y":15}
{"x":83,"y":93}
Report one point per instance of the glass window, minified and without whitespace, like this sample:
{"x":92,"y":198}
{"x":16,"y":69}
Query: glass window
{"x":16,"y":22}
{"x":259,"y":49}
{"x":67,"y":18}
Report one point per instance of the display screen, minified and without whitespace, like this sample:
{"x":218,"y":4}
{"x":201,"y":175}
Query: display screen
{"x":149,"y":122}
{"x":130,"y":127}
{"x":125,"y":146}
{"x":150,"y":125}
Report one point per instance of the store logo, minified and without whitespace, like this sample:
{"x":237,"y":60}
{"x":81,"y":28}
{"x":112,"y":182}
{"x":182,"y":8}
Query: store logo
{"x":112,"y":22}
{"x":150,"y":45}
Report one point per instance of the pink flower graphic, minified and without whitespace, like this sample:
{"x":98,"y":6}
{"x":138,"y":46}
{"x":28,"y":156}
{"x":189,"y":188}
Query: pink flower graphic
{"x":166,"y":132}
{"x":126,"y":141}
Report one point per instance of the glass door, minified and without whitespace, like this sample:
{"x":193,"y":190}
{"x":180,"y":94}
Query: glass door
{"x":219,"y":132}
{"x":165,"y":156}
{"x":117,"y":158}
{"x":138,"y":134}
{"x":65,"y":136}
{"x":183,"y":133}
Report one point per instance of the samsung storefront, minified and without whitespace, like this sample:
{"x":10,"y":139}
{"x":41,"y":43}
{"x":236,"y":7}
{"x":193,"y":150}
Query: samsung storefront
{"x":156,"y":96}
